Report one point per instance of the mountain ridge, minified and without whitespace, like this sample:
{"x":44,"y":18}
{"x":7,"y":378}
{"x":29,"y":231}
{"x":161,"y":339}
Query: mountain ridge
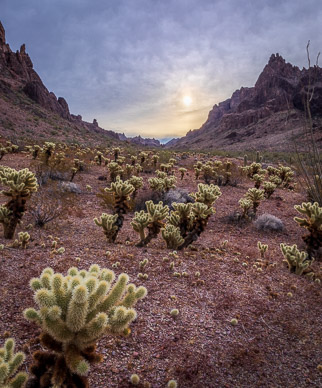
{"x":268,"y":115}
{"x":29,"y":110}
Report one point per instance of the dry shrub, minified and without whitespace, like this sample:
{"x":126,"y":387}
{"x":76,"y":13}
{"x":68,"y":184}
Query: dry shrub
{"x":49,"y":203}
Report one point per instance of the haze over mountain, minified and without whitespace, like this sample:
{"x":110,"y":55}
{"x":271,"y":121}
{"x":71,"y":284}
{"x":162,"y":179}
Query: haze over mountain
{"x":134,"y":64}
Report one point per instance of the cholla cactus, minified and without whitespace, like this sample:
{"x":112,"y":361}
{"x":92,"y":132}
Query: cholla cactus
{"x":162,"y":184}
{"x":116,"y":152}
{"x":143,"y":157}
{"x":23,"y":239}
{"x":171,"y":235}
{"x":182,"y":172}
{"x":254,"y":168}
{"x":181,"y":217}
{"x":297,"y":261}
{"x":155,"y":159}
{"x":47,"y":151}
{"x":201,"y":210}
{"x":285,"y":174}
{"x":262,"y":249}
{"x":269,"y":189}
{"x":208,"y":172}
{"x":246,"y":205}
{"x":156,"y":214}
{"x":129,"y":169}
{"x":275,"y":180}
{"x":258,"y":179}
{"x":313,"y":223}
{"x":118,"y":195}
{"x":255,"y":195}
{"x":137,"y":183}
{"x":197,"y":172}
{"x":21,"y":184}
{"x":10,"y":362}
{"x":3,"y":151}
{"x":74,"y":312}
{"x":98,"y":158}
{"x":108,"y":223}
{"x":161,"y":174}
{"x":206,"y":194}
{"x":140,"y":222}
{"x":115,"y":169}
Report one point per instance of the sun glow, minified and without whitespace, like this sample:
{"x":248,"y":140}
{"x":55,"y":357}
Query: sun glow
{"x":187,"y":100}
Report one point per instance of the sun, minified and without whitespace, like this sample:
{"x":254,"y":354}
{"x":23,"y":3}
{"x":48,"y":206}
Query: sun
{"x":187,"y":100}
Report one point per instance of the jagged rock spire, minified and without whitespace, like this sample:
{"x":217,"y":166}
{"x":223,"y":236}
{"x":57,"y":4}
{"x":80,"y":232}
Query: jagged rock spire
{"x":2,"y":35}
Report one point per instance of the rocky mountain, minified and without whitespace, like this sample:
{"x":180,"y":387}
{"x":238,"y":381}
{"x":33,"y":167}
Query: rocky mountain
{"x":29,"y":112}
{"x":269,"y":115}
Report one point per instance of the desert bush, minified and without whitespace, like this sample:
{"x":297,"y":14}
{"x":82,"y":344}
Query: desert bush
{"x":268,"y":222}
{"x":74,"y":312}
{"x":21,"y":184}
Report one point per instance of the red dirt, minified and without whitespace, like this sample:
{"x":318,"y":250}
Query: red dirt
{"x":276,"y":343}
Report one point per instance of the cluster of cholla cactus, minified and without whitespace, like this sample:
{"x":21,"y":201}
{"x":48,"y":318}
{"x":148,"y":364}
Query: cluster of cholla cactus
{"x":10,"y":362}
{"x":74,"y":312}
{"x":9,"y":148}
{"x":21,"y":184}
{"x":187,"y":221}
{"x":298,"y":262}
{"x":162,"y":183}
{"x":22,"y":241}
{"x":313,"y":223}
{"x":253,"y":169}
{"x":152,"y":220}
{"x":216,"y":171}
{"x":281,"y":175}
{"x":118,"y":195}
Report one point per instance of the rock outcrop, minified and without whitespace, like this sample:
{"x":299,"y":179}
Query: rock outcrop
{"x":18,"y":67}
{"x":278,"y":95}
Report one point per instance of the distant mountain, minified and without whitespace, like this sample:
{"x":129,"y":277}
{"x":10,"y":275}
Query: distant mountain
{"x":30,"y":113}
{"x":269,"y":115}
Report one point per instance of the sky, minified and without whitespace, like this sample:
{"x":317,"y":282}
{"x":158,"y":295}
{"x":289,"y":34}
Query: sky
{"x":155,"y":68}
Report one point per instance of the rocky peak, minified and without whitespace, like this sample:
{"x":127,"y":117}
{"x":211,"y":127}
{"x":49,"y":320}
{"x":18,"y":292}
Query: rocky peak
{"x":2,"y":35}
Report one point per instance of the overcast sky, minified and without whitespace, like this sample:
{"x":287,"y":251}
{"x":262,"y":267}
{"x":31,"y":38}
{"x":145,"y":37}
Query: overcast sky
{"x":130,"y":63}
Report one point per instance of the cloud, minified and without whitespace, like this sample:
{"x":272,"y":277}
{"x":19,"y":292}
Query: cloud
{"x":128,"y":63}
